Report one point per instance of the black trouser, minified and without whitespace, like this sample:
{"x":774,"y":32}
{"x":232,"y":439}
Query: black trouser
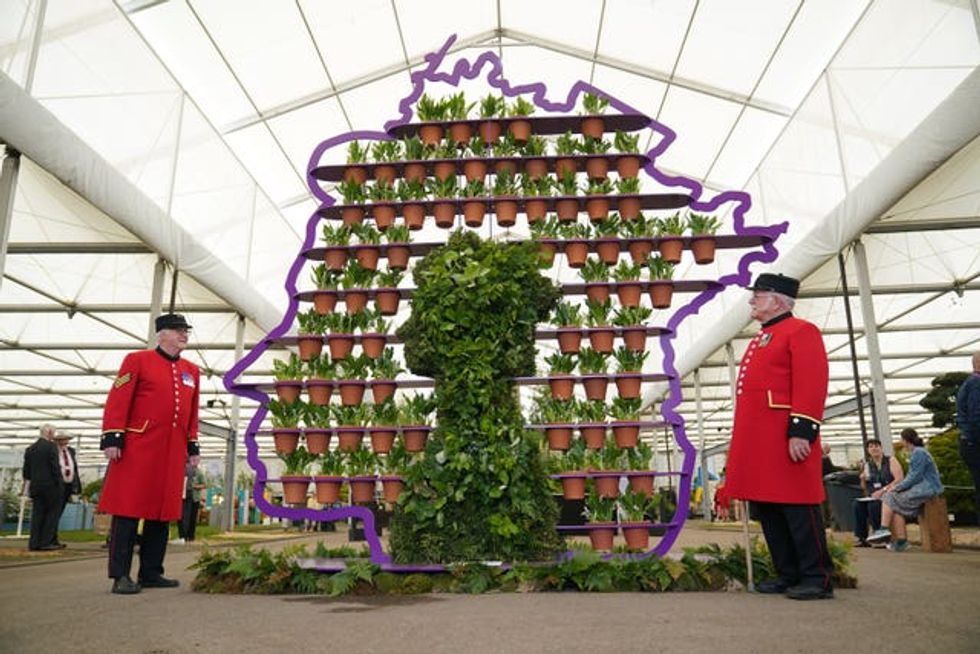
{"x":153,"y":547}
{"x":797,"y":542}
{"x":45,"y":512}
{"x":971,"y":457}
{"x":188,"y":519}
{"x":863,"y":512}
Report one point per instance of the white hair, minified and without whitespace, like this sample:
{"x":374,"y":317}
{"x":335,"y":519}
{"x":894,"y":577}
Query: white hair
{"x":48,"y":431}
{"x":788,"y":301}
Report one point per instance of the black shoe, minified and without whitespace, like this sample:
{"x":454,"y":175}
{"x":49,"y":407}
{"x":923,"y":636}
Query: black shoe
{"x":862,"y":543}
{"x":125,"y":586}
{"x":159,"y":582}
{"x":803,"y":592}
{"x":773,"y":586}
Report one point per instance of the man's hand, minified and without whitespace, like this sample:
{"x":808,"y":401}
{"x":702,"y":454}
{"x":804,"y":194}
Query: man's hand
{"x":113,"y":453}
{"x":799,"y":449}
{"x":195,"y":460}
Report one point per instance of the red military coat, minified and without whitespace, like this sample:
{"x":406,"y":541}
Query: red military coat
{"x":154,"y":402}
{"x":781,"y":391}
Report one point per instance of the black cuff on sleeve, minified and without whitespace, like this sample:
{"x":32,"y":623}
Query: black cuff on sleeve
{"x":193,"y":449}
{"x":111,"y":439}
{"x":800,"y":427}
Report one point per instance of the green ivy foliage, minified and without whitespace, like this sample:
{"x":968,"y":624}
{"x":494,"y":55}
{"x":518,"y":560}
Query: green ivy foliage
{"x":945,"y":451}
{"x":479,"y":492}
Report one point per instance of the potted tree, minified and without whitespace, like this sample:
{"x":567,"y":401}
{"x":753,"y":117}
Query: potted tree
{"x":492,"y":106}
{"x":595,"y":274}
{"x":356,"y":158}
{"x":374,"y":333}
{"x":330,"y":477}
{"x":593,"y":106}
{"x":628,"y":202}
{"x":568,"y":319}
{"x":639,"y":459}
{"x":288,"y":377}
{"x":310,"y":337}
{"x":337,"y":240}
{"x":561,"y":382}
{"x":703,"y":229}
{"x":317,"y":432}
{"x":285,"y":424}
{"x":398,"y":252}
{"x":566,"y":149}
{"x":661,"y":288}
{"x":592,"y":366}
{"x":319,"y":382}
{"x":626,"y":416}
{"x":414,"y":413}
{"x":384,"y":425}
{"x":295,"y":478}
{"x":671,"y":245}
{"x":607,"y":233}
{"x":412,"y":195}
{"x":356,"y":281}
{"x":505,"y":199}
{"x":430,"y":110}
{"x":387,"y":296}
{"x":636,"y":529}
{"x":351,"y":375}
{"x":458,"y":111}
{"x":629,"y":372}
{"x":354,"y":195}
{"x":576,"y":236}
{"x":325,"y":295}
{"x":600,"y":512}
{"x":520,"y":130}
{"x":628,"y":286}
{"x":350,"y":426}
{"x":415,"y":153}
{"x":601,"y":333}
{"x":591,"y":416}
{"x":474,"y":200}
{"x":628,"y":145}
{"x":606,"y":466}
{"x":596,"y":163}
{"x":639,"y":232}
{"x":362,"y":466}
{"x":444,"y":205}
{"x":386,"y":369}
{"x":632,"y":321}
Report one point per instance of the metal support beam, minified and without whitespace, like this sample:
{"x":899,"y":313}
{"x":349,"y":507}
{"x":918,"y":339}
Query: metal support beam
{"x":8,"y":187}
{"x":705,"y":485}
{"x":121,"y":247}
{"x":882,"y":423}
{"x":854,"y":357}
{"x":236,"y":405}
{"x":156,"y":301}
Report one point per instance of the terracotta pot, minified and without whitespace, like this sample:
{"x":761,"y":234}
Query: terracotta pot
{"x":398,"y":255}
{"x":506,"y":211}
{"x":703,"y":249}
{"x":414,"y":172}
{"x":573,"y":488}
{"x":597,"y":292}
{"x":445,"y":213}
{"x":567,"y":210}
{"x":637,"y":536}
{"x":384,"y":215}
{"x":317,"y":440}
{"x":670,"y":248}
{"x":642,"y":485}
{"x":319,"y":391}
{"x":536,"y":209}
{"x":391,"y":488}
{"x":626,"y":434}
{"x":356,"y":174}
{"x":661,"y":293}
{"x":386,"y":300}
{"x":355,"y":300}
{"x":340,"y":345}
{"x":430,"y":134}
{"x":536,"y":168}
{"x":352,"y":215}
{"x":382,"y":389}
{"x":505,"y":167}
{"x":324,"y":301}
{"x":629,"y":293}
{"x":593,"y":126}
{"x":594,"y":435}
{"x":362,"y":489}
{"x":566,"y":165}
{"x":384,"y":174}
{"x":520,"y":130}
{"x":490,"y":131}
{"x":443,"y":170}
{"x":309,"y":345}
{"x":414,"y":437}
{"x":414,"y":215}
{"x":373,"y":345}
{"x":288,"y":391}
{"x":595,"y":387}
{"x":294,"y":489}
{"x":602,"y":339}
{"x":327,"y":489}
{"x":559,"y":438}
{"x":546,"y":253}
{"x":576,"y":252}
{"x":285,"y":441}
{"x":473,"y":213}
{"x":640,"y":251}
{"x":460,"y":133}
{"x":349,"y":438}
{"x":608,"y":250}
{"x":382,"y":438}
{"x":475,"y":169}
{"x":562,"y":387}
{"x":597,"y":208}
{"x":628,"y":385}
{"x":569,"y":339}
{"x":635,"y":338}
{"x":628,"y":207}
{"x":368,"y":256}
{"x":351,"y":392}
{"x":628,"y":167}
{"x":335,"y":257}
{"x":597,"y":167}
{"x":607,"y":486}
{"x":601,"y":537}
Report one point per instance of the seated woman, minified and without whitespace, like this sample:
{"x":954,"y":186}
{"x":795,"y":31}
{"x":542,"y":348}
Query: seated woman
{"x":878,"y":471}
{"x":901,"y":499}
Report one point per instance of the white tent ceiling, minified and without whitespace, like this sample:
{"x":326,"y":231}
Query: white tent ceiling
{"x":209,"y":110}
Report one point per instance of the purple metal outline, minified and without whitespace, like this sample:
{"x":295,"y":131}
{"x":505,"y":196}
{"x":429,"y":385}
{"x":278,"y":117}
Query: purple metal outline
{"x":463,"y":68}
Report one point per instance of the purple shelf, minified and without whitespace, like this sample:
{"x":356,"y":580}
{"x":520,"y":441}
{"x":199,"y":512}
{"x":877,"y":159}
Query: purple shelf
{"x":540,"y":125}
{"x":615,"y":525}
{"x":575,"y":425}
{"x":623,"y":473}
{"x":618,"y":331}
{"x":647,"y":377}
{"x":679,"y":285}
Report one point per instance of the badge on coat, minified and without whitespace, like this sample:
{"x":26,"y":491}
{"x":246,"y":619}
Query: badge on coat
{"x":187,"y":378}
{"x":121,"y":380}
{"x":764,"y":341}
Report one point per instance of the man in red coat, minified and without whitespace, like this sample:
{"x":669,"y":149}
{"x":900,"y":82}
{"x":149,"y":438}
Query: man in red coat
{"x":149,"y":429}
{"x":774,"y":459}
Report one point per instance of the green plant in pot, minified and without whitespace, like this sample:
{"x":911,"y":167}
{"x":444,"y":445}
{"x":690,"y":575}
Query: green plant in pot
{"x":535,"y":147}
{"x":546,"y":232}
{"x":383,"y":195}
{"x":520,"y":130}
{"x":593,"y":106}
{"x":295,"y":477}
{"x":413,"y":149}
{"x":629,"y":370}
{"x":568,"y":319}
{"x":325,"y":280}
{"x":632,"y":320}
{"x":384,"y":425}
{"x":671,"y":244}
{"x":329,"y":477}
{"x":474,"y":202}
{"x":597,"y":205}
{"x":628,"y":166}
{"x":597,"y":318}
{"x":393,"y":467}
{"x":285,"y":424}
{"x":607,"y":233}
{"x":476,"y":148}
{"x":386,"y":369}
{"x":591,"y":415}
{"x":703,"y":229}
{"x":431,"y":110}
{"x":317,"y":417}
{"x":609,"y":459}
{"x":398,"y":238}
{"x":557,"y":415}
{"x":625,"y":413}
{"x":350,"y":425}
{"x":560,"y":367}
{"x":288,"y":376}
{"x":628,"y":203}
{"x":362,"y":466}
{"x":491,"y":107}
{"x":458,"y":109}
{"x":635,"y":507}
{"x":312,"y":326}
{"x":415,"y":416}
{"x":661,"y":289}
{"x":592,"y":365}
{"x":572,"y":463}
{"x":640,"y":459}
{"x":321,"y":369}
{"x":567,"y":145}
{"x":356,"y":281}
{"x":337,"y":239}
{"x":351,"y":375}
{"x":597,"y":165}
{"x":639,"y":232}
{"x":444,"y":190}
{"x":628,"y":286}
{"x":595,"y":274}
{"x":600,"y":513}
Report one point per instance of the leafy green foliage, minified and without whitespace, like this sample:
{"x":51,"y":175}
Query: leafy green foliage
{"x":944,"y":449}
{"x":941,"y":400}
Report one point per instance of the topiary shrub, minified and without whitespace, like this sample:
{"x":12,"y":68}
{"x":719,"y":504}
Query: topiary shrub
{"x":479,"y":491}
{"x":945,"y":450}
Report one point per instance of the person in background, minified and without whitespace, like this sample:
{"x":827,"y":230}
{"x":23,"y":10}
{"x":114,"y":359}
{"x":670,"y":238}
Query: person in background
{"x":826,"y":463}
{"x":968,"y":420}
{"x":43,"y":482}
{"x":901,"y":499}
{"x":69,"y":472}
{"x":877,"y":472}
{"x":194,"y":484}
{"x":149,"y":429}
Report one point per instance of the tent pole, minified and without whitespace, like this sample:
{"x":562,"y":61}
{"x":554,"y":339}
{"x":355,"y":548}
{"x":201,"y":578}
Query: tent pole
{"x":854,"y":364}
{"x":232,"y":443}
{"x":880,"y":404}
{"x":8,"y":186}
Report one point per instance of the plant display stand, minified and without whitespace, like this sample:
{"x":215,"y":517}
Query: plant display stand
{"x":336,"y":421}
